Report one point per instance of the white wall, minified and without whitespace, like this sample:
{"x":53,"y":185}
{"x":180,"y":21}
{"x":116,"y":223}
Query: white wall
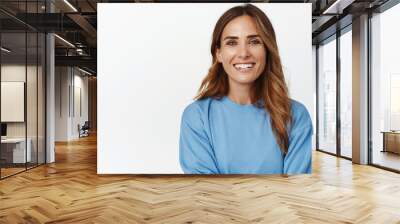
{"x":151,"y":60}
{"x":80,"y":84}
{"x":67,"y":84}
{"x":61,"y":103}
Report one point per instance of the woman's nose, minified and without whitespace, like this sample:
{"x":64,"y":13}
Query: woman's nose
{"x":243,"y":51}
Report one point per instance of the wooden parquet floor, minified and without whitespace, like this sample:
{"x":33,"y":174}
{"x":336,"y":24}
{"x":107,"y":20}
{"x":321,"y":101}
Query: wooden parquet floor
{"x":70,"y":191}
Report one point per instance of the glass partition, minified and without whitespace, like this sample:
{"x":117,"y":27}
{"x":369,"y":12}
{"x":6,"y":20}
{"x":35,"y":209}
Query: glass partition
{"x":32,"y":95}
{"x":13,"y":110}
{"x":33,"y":56}
{"x":327,"y":96}
{"x":22,"y":67}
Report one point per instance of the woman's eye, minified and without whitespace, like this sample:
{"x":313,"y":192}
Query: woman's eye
{"x":255,"y":42}
{"x":231,"y":43}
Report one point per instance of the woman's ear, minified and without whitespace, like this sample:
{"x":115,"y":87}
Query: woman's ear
{"x":218,"y":54}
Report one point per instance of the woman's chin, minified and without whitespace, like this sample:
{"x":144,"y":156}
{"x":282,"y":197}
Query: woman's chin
{"x":244,"y":79}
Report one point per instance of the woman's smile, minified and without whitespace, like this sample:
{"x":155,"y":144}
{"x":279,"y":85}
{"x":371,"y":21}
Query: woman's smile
{"x":244,"y":67}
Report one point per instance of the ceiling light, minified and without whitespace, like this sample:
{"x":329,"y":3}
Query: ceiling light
{"x":70,"y":5}
{"x":65,"y":41}
{"x":5,"y":50}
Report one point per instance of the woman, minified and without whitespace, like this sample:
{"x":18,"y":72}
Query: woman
{"x":243,"y":121}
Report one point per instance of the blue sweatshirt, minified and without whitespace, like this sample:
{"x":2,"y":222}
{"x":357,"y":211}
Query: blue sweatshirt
{"x":223,"y":137}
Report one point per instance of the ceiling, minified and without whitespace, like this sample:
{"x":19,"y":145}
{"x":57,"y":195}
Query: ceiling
{"x":76,"y":22}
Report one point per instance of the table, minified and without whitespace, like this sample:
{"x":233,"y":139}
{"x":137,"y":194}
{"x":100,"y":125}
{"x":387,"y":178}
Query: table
{"x":15,"y":148}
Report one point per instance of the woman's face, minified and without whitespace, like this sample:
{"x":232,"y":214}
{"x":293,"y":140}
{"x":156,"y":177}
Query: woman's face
{"x":242,"y":52}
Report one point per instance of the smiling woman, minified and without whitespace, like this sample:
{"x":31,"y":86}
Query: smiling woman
{"x":242,"y":54}
{"x":243,"y":121}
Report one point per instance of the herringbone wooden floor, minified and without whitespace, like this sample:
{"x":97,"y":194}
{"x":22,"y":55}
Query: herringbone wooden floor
{"x":70,"y":191}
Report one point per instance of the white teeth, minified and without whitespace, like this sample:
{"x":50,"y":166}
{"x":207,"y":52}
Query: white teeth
{"x":244,"y":66}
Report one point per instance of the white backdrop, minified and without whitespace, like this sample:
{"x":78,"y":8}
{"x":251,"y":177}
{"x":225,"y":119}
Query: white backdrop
{"x":151,"y":60}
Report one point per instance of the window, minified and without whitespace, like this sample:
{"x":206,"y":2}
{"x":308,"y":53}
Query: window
{"x":385,"y":89}
{"x":346,"y":75}
{"x":327,"y":96}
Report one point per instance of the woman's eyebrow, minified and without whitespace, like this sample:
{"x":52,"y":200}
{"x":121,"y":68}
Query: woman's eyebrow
{"x":235,"y":37}
{"x":252,"y":36}
{"x":231,"y":37}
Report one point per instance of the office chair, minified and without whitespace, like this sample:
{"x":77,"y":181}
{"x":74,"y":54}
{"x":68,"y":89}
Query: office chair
{"x":84,"y":130}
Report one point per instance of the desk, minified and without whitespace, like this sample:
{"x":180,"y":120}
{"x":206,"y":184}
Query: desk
{"x":17,"y":150}
{"x":391,"y":141}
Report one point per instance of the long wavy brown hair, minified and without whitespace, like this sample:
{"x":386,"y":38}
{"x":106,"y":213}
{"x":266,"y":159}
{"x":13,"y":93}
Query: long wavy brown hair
{"x":269,"y":88}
